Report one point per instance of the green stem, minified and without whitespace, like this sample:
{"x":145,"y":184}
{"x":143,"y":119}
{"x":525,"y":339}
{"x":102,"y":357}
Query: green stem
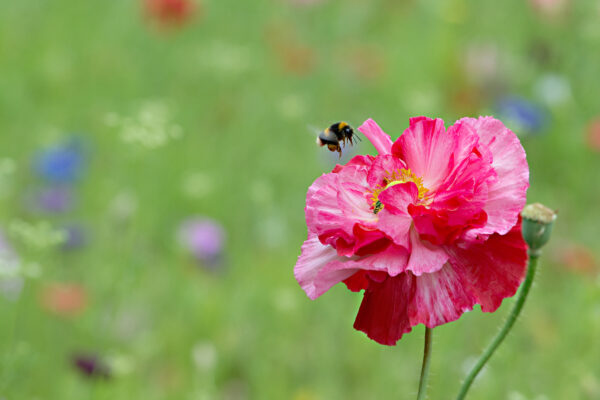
{"x":425,"y":367}
{"x":533,"y":258}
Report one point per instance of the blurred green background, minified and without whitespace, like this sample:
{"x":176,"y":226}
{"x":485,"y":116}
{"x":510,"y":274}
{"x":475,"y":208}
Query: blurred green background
{"x":208,"y":117}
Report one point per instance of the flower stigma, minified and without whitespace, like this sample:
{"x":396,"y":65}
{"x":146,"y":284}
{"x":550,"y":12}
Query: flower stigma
{"x":397,"y":177}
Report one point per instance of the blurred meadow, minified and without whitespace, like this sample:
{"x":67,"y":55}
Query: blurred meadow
{"x":154,"y":164}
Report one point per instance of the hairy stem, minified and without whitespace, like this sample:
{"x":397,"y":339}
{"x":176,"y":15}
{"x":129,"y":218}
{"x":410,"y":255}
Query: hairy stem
{"x":533,"y":259}
{"x":425,"y":367}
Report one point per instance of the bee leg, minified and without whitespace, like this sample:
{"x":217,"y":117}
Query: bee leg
{"x":340,"y":152}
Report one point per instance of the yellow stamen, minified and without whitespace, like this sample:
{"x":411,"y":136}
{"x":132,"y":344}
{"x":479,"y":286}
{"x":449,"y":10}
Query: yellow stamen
{"x":395,"y":178}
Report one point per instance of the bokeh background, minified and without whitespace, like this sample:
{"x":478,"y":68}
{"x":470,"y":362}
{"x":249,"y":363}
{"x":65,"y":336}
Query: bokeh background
{"x":154,"y":160}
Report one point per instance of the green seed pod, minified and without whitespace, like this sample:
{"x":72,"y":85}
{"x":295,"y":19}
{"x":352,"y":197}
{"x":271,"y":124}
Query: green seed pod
{"x":537,"y":225}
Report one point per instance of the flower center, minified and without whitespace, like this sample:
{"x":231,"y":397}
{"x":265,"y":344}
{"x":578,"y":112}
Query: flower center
{"x":396,"y":177}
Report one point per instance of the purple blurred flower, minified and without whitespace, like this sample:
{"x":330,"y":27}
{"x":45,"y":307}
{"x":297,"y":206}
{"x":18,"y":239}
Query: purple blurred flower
{"x":51,"y":199}
{"x":64,"y":162}
{"x":521,"y":115}
{"x":204,"y":238}
{"x":76,"y":236}
{"x":90,"y":366}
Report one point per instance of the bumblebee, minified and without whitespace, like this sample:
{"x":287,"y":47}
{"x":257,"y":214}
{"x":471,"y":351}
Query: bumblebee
{"x":340,"y":132}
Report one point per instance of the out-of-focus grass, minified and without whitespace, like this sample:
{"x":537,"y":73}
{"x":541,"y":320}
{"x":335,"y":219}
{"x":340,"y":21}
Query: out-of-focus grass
{"x":243,"y":81}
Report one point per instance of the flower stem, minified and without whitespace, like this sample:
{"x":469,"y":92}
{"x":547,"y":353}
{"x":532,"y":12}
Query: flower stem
{"x":425,"y":367}
{"x":533,"y":259}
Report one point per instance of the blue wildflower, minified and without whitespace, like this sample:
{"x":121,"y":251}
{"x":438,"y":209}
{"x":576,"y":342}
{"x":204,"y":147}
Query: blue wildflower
{"x":62,"y":163}
{"x":521,"y":115}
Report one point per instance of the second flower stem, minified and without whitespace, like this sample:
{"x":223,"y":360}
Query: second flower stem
{"x":425,"y":367}
{"x":533,"y":259}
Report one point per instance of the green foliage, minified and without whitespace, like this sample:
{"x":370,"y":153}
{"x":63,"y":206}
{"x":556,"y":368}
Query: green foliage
{"x":236,"y":88}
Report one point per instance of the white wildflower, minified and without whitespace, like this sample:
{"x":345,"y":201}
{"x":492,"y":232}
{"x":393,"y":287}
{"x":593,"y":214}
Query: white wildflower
{"x":40,"y":235}
{"x":204,"y":356}
{"x":150,"y":127}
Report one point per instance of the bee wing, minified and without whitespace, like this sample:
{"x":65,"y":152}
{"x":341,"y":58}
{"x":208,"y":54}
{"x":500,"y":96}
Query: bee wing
{"x":313,"y":130}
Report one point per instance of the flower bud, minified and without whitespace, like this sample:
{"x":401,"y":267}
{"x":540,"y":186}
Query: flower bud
{"x":537,"y":225}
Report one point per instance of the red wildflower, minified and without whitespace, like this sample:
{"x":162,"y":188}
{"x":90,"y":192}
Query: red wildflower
{"x":169,"y":11}
{"x":593,"y":134}
{"x":64,"y":299}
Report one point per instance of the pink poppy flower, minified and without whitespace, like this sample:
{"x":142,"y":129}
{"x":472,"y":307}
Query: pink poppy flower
{"x":428,"y":228}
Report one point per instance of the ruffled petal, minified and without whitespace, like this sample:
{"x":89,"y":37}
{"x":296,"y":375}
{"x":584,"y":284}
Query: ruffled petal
{"x":319,"y":268}
{"x":425,"y":257}
{"x":353,"y":201}
{"x":507,"y":194}
{"x":380,"y":140}
{"x":494,"y":269}
{"x":382,"y":168}
{"x":427,"y":150}
{"x":445,"y":225}
{"x":359,"y":160}
{"x":368,"y":241}
{"x":396,"y":226}
{"x":389,"y":262}
{"x":391,"y":308}
{"x":356,"y":170}
{"x":397,"y":198}
{"x":471,"y":170}
{"x":358,"y":281}
{"x":335,"y":202}
{"x":440,"y":298}
{"x":394,"y":219}
{"x":383,"y":313}
{"x":392,"y":261}
{"x":322,"y":210}
{"x":457,"y":203}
